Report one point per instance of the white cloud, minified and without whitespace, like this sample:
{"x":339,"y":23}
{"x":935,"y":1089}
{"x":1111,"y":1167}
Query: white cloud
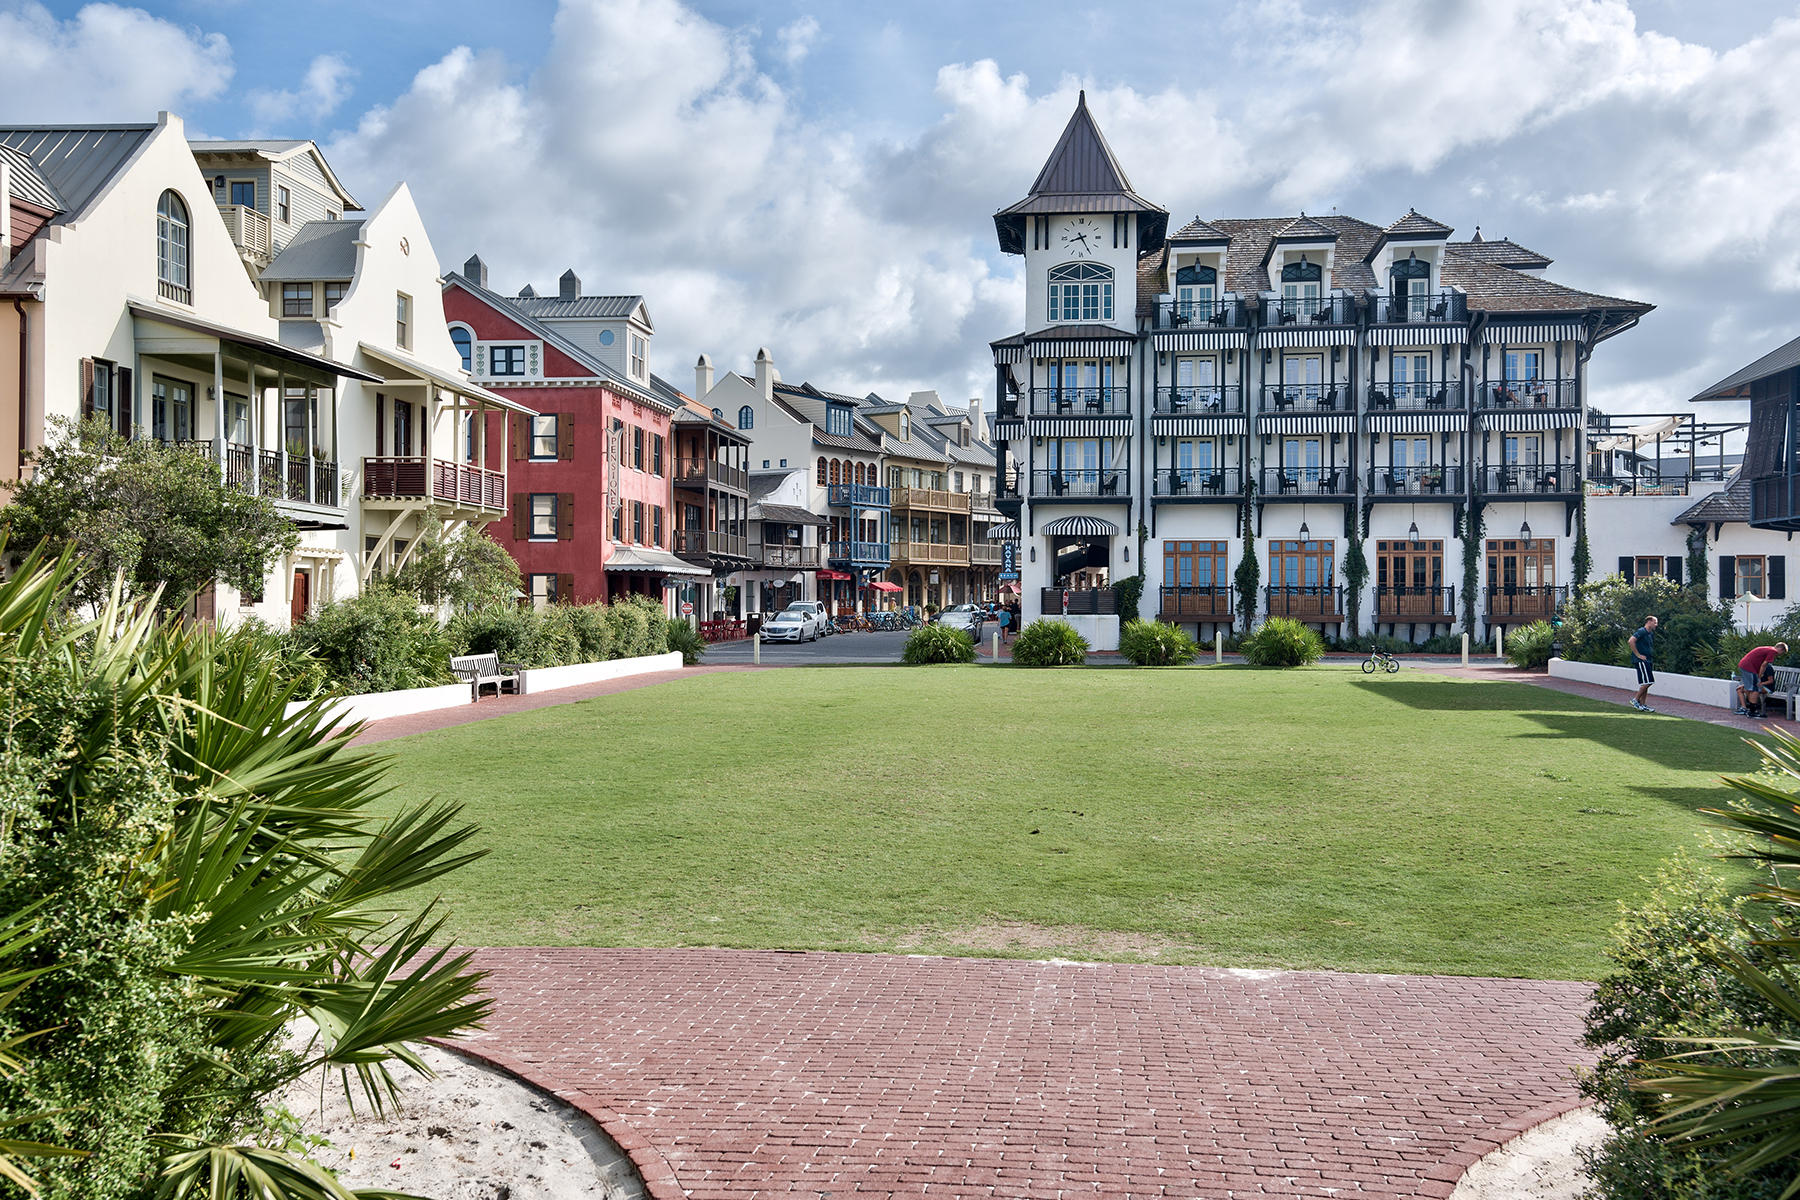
{"x":325,"y":86}
{"x":106,"y":63}
{"x":797,"y":39}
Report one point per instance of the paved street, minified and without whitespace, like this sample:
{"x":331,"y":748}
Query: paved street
{"x":838,"y":648}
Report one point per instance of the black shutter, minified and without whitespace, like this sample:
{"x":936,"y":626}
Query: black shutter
{"x":123,"y":401}
{"x":1777,"y":577}
{"x":1628,"y":568}
{"x":1727,"y":577}
{"x":1672,"y":569}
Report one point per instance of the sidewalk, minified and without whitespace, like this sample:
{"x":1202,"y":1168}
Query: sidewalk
{"x":1593,"y":691}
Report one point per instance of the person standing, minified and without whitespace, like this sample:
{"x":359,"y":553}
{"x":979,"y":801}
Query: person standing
{"x":1005,"y":624}
{"x":1750,"y":670}
{"x":1643,"y":650}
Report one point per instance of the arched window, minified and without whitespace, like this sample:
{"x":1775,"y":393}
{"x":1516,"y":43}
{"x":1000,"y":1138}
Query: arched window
{"x":1300,"y":289}
{"x":1412,"y":286}
{"x":859,"y":473}
{"x":905,"y":427}
{"x":173,"y":279}
{"x":1196,"y":288}
{"x":821,"y":472}
{"x":836,"y":467}
{"x":1081,"y":292}
{"x":465,"y":345}
{"x":746,"y":417}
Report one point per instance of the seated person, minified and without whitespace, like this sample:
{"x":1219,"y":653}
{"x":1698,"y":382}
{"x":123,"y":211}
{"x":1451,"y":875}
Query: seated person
{"x":1756,"y":699}
{"x":1751,"y":669}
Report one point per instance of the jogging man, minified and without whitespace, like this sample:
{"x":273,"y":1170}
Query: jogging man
{"x":1643,"y":648}
{"x":1750,"y":670}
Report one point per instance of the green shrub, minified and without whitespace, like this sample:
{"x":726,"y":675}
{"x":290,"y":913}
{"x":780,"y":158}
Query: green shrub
{"x":594,"y":630}
{"x":1128,"y":592}
{"x":1283,"y":642}
{"x":937,"y":644}
{"x":1720,"y":661}
{"x":632,"y":630}
{"x":1528,"y":647}
{"x":505,"y":630}
{"x":378,"y":641}
{"x":290,"y":663}
{"x":686,"y":640}
{"x":1156,"y":644}
{"x":558,"y":644}
{"x":1602,"y":615}
{"x":1047,"y":643}
{"x":1451,"y":643}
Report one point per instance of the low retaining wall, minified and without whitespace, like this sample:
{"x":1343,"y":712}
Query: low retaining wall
{"x":548,"y":679}
{"x":1719,"y":693}
{"x":1101,"y":631}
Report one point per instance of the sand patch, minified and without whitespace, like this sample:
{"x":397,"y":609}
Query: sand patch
{"x":1013,"y":936}
{"x":1542,"y":1163}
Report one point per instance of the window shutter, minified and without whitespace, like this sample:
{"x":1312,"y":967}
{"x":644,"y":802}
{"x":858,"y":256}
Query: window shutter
{"x":1777,"y":577}
{"x":1628,"y":568}
{"x":1672,"y":568}
{"x":565,"y":516}
{"x":565,"y":589}
{"x":521,"y":506}
{"x":521,"y":436}
{"x":87,"y":388}
{"x":565,"y":437}
{"x":380,"y":425}
{"x":1727,"y":577}
{"x":123,"y":402}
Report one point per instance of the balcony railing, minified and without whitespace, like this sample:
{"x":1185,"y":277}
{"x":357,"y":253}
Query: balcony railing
{"x":1300,"y":482}
{"x":1647,"y":484}
{"x":949,"y":553}
{"x":1302,"y":310}
{"x":1306,"y":397}
{"x":1073,"y":483}
{"x":462,"y":484}
{"x":1510,"y":603}
{"x":708,"y":543}
{"x":699,"y":472}
{"x":856,"y":495}
{"x":1083,"y":602}
{"x":1416,"y":397}
{"x":1420,"y":308}
{"x":284,"y":477}
{"x":984,"y":553}
{"x":1198,"y":400}
{"x":1198,"y":483}
{"x":802,"y":557}
{"x":982,"y":502}
{"x":1080,"y":401}
{"x":1775,"y":501}
{"x":1200,"y":314}
{"x":1204,"y":603}
{"x":1010,"y":485}
{"x":933,"y":498}
{"x":1530,"y":393}
{"x":1539,"y":478}
{"x":1406,"y":602}
{"x":1437,"y":480}
{"x":1307,"y":602}
{"x":860,"y":552}
{"x":249,"y":229}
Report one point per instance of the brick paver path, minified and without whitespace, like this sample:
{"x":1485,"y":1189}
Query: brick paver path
{"x":1664,"y":705}
{"x":751,"y":1073}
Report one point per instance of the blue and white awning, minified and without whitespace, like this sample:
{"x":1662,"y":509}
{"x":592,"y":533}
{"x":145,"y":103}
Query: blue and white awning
{"x":1081,"y":527}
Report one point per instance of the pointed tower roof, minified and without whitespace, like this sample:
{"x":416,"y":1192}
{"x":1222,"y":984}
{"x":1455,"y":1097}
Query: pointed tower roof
{"x":1081,"y":176}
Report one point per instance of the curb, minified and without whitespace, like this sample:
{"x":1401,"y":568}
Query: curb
{"x":1442,"y":1179}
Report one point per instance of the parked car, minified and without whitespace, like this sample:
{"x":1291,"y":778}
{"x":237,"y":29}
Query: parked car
{"x":790,"y":626}
{"x":814,"y":612}
{"x":965,"y":617}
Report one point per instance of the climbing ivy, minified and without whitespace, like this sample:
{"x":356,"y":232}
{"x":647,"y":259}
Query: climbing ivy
{"x":1584,"y":560}
{"x":1470,"y":530}
{"x":1696,"y":561}
{"x":1249,"y":572}
{"x":1356,"y":573}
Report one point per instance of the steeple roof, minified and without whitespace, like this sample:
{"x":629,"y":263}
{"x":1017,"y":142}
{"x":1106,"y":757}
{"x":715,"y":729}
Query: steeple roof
{"x":1081,"y":176}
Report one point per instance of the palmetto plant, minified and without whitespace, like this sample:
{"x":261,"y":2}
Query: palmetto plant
{"x":201,"y":873}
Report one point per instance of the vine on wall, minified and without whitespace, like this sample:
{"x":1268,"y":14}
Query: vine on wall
{"x":1697,"y":573}
{"x":1249,"y":572}
{"x":1472,"y":528}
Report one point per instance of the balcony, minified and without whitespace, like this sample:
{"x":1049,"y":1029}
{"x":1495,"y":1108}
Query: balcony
{"x":1207,"y":603}
{"x":861,"y":553}
{"x":1775,"y":502}
{"x":856,"y":495}
{"x":1305,"y":398}
{"x":1518,"y":604}
{"x":249,"y":230}
{"x":949,"y":554}
{"x":1304,"y":310}
{"x":273,"y":474}
{"x":1530,"y":393}
{"x":983,"y":553}
{"x":1407,"y":604}
{"x":1305,"y":602}
{"x":418,"y":478}
{"x":983,"y":502}
{"x":1198,"y":483}
{"x":1415,"y":483}
{"x":1205,"y":400}
{"x":1303,"y":483}
{"x":1647,"y":483}
{"x":1421,"y":308}
{"x":1539,"y":479}
{"x":1201,"y":314}
{"x":1416,"y":397}
{"x":1080,"y":401}
{"x":804,"y":558}
{"x":700,"y":473}
{"x":932,"y":498}
{"x":707,"y":543}
{"x":1081,"y":484}
{"x":1085,"y":602}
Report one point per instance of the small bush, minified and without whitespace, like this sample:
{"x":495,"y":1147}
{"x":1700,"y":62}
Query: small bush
{"x":1451,"y":643}
{"x":594,"y":630}
{"x":937,"y":644}
{"x":1129,"y":592}
{"x":557,"y":643}
{"x":377,"y":642}
{"x":686,"y":640}
{"x":505,"y":630}
{"x":1721,"y":661}
{"x":1528,"y":647}
{"x":1049,"y":644}
{"x":1156,"y":644}
{"x":289,"y":662}
{"x":1283,"y":642}
{"x":1602,"y":615}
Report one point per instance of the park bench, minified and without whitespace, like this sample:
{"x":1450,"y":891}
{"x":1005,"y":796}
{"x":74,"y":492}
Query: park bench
{"x":479,"y":670}
{"x":1787,"y":687}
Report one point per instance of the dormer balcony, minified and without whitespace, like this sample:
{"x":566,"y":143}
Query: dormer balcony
{"x":1228,"y":313}
{"x":249,"y":231}
{"x":1308,"y":310}
{"x":1420,"y":308}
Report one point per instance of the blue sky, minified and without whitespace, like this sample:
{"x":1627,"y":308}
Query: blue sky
{"x":820,"y":178}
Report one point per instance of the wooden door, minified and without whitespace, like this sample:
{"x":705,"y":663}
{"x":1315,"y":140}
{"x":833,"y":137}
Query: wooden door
{"x":302,"y":596}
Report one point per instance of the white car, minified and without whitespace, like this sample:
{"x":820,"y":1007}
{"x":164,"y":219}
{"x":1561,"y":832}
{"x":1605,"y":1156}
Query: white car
{"x":813,"y":611}
{"x":790,"y":626}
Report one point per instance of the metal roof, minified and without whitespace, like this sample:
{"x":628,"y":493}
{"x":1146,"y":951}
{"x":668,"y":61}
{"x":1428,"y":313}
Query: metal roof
{"x":77,"y":162}
{"x":553,"y":307}
{"x":323,"y":250}
{"x":459,"y":382}
{"x":1081,"y":175}
{"x":249,"y":341}
{"x":1736,"y":386}
{"x":785,"y":514}
{"x":28,"y":183}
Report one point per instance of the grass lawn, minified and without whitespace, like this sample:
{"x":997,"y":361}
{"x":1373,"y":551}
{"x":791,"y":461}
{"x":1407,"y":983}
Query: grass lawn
{"x":1314,"y":818}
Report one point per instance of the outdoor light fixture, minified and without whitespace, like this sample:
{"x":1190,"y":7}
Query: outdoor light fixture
{"x":1525,"y":525}
{"x":1305,"y":533}
{"x":1412,"y":532}
{"x":1034,"y":554}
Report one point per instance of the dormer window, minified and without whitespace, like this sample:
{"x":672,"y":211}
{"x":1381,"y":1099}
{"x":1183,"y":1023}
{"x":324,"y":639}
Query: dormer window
{"x":905,"y":427}
{"x":172,"y":276}
{"x":640,"y":357}
{"x":1196,"y":291}
{"x":837,"y":420}
{"x":1081,"y":292}
{"x":1412,"y":287}
{"x":1300,"y":285}
{"x":506,"y":360}
{"x":296,"y":300}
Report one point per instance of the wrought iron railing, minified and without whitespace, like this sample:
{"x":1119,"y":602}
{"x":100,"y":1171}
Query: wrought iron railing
{"x":1416,"y":397}
{"x":1527,"y":601}
{"x":1530,"y":393}
{"x":1308,"y":310}
{"x":1073,"y":483}
{"x":1430,"y":480}
{"x":1199,"y":482}
{"x":1409,"y":602}
{"x":1305,"y":601}
{"x":1200,"y":314}
{"x":1306,"y":481}
{"x":1531,"y":478}
{"x":1422,"y":307}
{"x":1195,"y":400}
{"x":1306,"y":397}
{"x":1080,"y":401}
{"x":1202,"y":602}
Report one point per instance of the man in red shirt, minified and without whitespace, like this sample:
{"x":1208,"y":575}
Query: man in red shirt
{"x":1750,"y":669}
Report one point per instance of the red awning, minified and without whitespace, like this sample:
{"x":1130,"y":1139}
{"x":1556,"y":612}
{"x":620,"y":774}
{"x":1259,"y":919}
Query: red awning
{"x":1005,"y":587}
{"x":832,"y":575}
{"x":883,"y":585}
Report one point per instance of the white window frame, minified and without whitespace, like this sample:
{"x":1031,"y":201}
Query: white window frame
{"x":539,"y":431}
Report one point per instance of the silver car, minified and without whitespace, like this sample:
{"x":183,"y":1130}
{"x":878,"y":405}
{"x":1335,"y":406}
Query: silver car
{"x":790,"y":626}
{"x":963,"y":617}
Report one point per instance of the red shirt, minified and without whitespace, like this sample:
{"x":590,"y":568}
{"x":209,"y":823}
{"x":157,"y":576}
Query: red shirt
{"x":1754,"y":660}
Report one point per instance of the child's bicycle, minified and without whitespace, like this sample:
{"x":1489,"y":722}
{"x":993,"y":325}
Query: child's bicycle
{"x":1380,"y":659}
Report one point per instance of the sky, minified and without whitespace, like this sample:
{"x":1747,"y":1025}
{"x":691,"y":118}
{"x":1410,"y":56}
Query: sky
{"x":820,"y":178}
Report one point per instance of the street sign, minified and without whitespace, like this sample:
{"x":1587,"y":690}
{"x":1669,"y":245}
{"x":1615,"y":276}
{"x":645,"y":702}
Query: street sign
{"x":687,"y":608}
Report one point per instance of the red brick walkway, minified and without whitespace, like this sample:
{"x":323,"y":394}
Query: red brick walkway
{"x":751,"y":1073}
{"x":1664,"y":705}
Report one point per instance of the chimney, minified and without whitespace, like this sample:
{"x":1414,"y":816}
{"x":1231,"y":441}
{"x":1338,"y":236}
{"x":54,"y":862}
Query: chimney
{"x":766,"y":374}
{"x":703,"y":377}
{"x":528,"y":292}
{"x":475,"y":271}
{"x":569,"y":286}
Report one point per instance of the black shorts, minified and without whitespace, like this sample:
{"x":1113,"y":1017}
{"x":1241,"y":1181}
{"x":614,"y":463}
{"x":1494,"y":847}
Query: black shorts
{"x":1645,"y":674}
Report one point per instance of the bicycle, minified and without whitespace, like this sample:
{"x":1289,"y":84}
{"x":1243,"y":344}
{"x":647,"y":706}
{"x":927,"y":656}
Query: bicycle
{"x":1380,"y":659}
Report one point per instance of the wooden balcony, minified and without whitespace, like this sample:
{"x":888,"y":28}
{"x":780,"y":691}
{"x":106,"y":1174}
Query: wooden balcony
{"x":1192,"y":603}
{"x":1079,"y":602}
{"x":417,"y":478}
{"x":948,"y":554}
{"x":983,"y":553}
{"x":1521,"y":604}
{"x":933,"y":499}
{"x":1404,"y":604}
{"x":1304,"y":602}
{"x":705,"y":544}
{"x":700,"y":473}
{"x":802,"y":558}
{"x":279,"y":476}
{"x":249,"y":230}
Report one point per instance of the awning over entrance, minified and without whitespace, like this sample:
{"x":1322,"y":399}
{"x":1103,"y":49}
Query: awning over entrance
{"x":266,"y":347}
{"x":648,"y":558}
{"x":1081,"y":527}
{"x":882,"y":585}
{"x":1005,"y":531}
{"x":463,"y":387}
{"x":833,"y":575}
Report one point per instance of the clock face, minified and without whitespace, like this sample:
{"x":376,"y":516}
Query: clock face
{"x":1082,"y":237}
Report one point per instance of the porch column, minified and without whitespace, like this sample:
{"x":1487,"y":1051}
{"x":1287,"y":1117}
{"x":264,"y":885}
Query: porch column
{"x":281,"y":460}
{"x":311,"y":402}
{"x":218,"y":448}
{"x":254,"y":399}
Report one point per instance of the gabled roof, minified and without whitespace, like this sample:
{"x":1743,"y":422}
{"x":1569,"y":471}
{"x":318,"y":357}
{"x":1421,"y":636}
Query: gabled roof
{"x":807,"y":404}
{"x":1736,"y":386}
{"x":1305,"y":229}
{"x":1198,"y":232}
{"x":1502,"y":253}
{"x":28,"y":183}
{"x":601,"y":307}
{"x":689,"y":411}
{"x":321,"y":250}
{"x":1500,"y":290}
{"x":280,"y":150}
{"x":1729,"y":503}
{"x":1081,"y":175}
{"x":76,"y":161}
{"x":1413,"y":227}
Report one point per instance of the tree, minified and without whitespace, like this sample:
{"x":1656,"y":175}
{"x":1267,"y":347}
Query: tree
{"x":466,"y":569}
{"x":159,"y":516}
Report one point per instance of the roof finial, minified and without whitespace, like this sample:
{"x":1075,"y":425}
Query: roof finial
{"x":1477,"y":233}
{"x":1081,"y":98}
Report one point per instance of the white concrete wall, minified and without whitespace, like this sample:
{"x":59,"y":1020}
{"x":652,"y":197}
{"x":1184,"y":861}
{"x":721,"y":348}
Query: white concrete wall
{"x":1718,"y":693}
{"x":379,"y":706}
{"x":1101,"y":632}
{"x":547,"y":679}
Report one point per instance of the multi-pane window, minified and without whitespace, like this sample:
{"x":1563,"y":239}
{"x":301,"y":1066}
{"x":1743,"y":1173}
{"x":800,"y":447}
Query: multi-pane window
{"x":296,"y":300}
{"x":1195,"y":287}
{"x":1412,"y":288}
{"x":1300,"y":288}
{"x":637,"y":447}
{"x":1524,"y":364}
{"x":640,"y":353}
{"x":171,"y":410}
{"x":1752,"y":575}
{"x":656,"y":522}
{"x":403,"y":320}
{"x":1647,"y":565}
{"x":283,"y":209}
{"x":543,"y":591}
{"x":1198,"y":565}
{"x":822,"y":479}
{"x":403,"y":427}
{"x":543,"y":516}
{"x":464,"y":341}
{"x":618,"y":523}
{"x":543,"y":436}
{"x":333,"y":293}
{"x":1412,"y":375}
{"x":237,"y":419}
{"x":1409,"y":567}
{"x":506,"y":360}
{"x":1302,"y":567}
{"x":656,"y":454}
{"x":103,"y":392}
{"x":1081,"y":292}
{"x":172,"y":276}
{"x":243,"y":192}
{"x":637,"y":522}
{"x":746,"y":417}
{"x":837,"y":420}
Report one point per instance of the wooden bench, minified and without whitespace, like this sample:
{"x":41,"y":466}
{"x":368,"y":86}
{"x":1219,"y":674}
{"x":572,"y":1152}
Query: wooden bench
{"x":1787,"y":688}
{"x":479,"y":670}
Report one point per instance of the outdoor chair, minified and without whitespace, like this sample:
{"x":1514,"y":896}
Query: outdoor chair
{"x":1177,"y":483}
{"x":1331,"y":398}
{"x":1110,"y":487}
{"x":1214,"y":482}
{"x":1288,"y":316}
{"x":1394,"y":485}
{"x":1218,"y":318}
{"x":1322,"y":316}
{"x":1285,"y":482}
{"x":1381,"y":399}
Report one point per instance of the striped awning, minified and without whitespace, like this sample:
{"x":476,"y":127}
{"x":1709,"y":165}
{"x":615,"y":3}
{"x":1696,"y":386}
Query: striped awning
{"x":1419,"y":335}
{"x":1006,"y":431}
{"x":1522,"y":421}
{"x":1418,"y":422}
{"x":1307,"y":423}
{"x":1325,"y":335}
{"x":1198,"y":426}
{"x":1202,"y":339}
{"x":1005,"y":531}
{"x":1118,"y":347}
{"x":1079,"y":426}
{"x":1531,"y":335}
{"x":1081,"y":527}
{"x":1004,"y":355}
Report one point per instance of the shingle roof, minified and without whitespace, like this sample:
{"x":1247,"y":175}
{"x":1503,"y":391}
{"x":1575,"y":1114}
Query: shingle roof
{"x":28,"y":183}
{"x":1081,"y":175}
{"x":1197,"y":230}
{"x":1504,"y":290}
{"x":319,"y":250}
{"x":1729,"y":503}
{"x":1736,"y":386}
{"x":77,"y":162}
{"x":804,"y":406}
{"x":552,"y":307}
{"x":1306,"y":229}
{"x":1416,"y":224}
{"x":1502,"y":253}
{"x":784,"y":514}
